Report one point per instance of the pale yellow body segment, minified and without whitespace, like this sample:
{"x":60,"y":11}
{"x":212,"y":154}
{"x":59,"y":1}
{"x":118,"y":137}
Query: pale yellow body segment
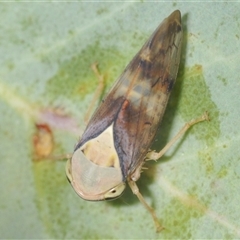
{"x":95,"y":174}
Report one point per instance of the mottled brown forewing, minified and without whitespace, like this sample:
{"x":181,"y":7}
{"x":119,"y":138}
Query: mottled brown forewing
{"x":136,"y":103}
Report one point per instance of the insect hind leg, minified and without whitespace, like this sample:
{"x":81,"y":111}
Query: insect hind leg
{"x":156,"y":155}
{"x":97,"y":92}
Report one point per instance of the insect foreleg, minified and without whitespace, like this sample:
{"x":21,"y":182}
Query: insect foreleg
{"x":135,"y":190}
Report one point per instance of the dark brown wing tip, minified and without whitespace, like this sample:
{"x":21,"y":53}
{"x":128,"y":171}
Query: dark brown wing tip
{"x":175,"y":15}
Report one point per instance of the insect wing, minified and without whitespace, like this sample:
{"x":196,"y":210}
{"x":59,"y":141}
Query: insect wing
{"x":146,"y":85}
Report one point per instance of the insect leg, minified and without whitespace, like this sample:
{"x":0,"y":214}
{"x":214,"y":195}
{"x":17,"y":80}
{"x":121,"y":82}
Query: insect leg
{"x":156,"y":155}
{"x":97,"y":93}
{"x":135,"y":190}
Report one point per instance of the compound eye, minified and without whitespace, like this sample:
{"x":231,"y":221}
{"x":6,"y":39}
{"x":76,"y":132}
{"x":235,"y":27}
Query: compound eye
{"x":115,"y":192}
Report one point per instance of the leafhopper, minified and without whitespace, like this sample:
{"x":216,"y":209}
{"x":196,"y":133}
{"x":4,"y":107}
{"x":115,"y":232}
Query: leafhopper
{"x":116,"y":141}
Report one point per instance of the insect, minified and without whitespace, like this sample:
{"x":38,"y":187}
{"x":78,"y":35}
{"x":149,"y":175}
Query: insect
{"x":116,"y":141}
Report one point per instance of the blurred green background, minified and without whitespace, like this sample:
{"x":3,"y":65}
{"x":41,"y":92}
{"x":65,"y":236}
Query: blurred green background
{"x":46,"y":52}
